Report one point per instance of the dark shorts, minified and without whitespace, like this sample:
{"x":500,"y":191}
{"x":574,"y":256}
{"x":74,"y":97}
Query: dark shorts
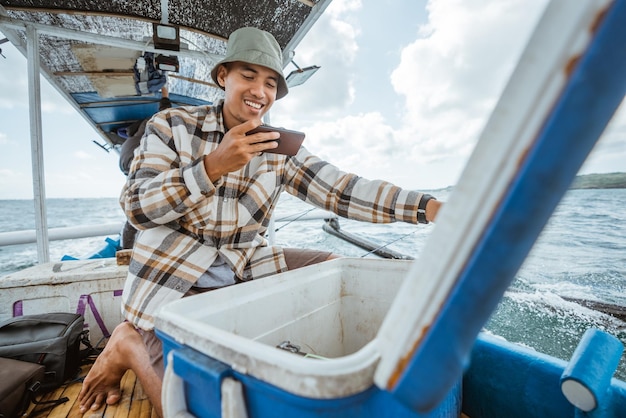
{"x":155,"y":350}
{"x":295,"y":258}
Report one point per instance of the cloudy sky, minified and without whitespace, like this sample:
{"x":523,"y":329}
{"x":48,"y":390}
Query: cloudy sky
{"x":404,"y":91}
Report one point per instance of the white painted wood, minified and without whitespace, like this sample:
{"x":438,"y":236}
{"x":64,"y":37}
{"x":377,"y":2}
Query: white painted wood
{"x":60,"y":286}
{"x":36,"y":145}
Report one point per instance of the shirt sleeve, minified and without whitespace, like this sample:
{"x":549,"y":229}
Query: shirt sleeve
{"x":323,"y":185}
{"x":161,"y":187}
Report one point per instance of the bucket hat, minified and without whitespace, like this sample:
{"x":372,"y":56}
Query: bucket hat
{"x":255,"y":46}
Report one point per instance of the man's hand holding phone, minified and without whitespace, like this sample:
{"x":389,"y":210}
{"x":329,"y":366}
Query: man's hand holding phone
{"x":243,"y":142}
{"x":289,"y":141}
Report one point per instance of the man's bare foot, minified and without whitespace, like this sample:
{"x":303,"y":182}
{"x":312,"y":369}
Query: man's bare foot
{"x":102,"y":383}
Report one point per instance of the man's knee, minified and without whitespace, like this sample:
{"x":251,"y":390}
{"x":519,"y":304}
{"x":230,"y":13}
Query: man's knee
{"x":296,"y":258}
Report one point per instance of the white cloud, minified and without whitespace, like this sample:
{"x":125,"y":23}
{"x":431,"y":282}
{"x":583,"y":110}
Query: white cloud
{"x":4,"y":139}
{"x":14,"y":88}
{"x":84,"y":182}
{"x":52,"y":104}
{"x":449,"y":79}
{"x":331,"y":44}
{"x":338,"y":8}
{"x":15,"y":184}
{"x":343,"y":141}
{"x":15,"y":91}
{"x":82,"y":155}
{"x":452,"y":74}
{"x":7,"y":174}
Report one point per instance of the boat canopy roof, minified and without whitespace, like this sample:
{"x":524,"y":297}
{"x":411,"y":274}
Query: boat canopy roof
{"x":88,"y":48}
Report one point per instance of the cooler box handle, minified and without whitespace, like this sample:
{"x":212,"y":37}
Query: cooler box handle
{"x":190,"y":363}
{"x":173,"y":393}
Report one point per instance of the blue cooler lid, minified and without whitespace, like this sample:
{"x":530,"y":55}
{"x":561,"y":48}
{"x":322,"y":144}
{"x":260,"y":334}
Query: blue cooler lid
{"x":522,"y":166}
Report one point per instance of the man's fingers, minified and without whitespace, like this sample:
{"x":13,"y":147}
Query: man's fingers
{"x":245,"y":127}
{"x":262,"y":137}
{"x":265,"y":146}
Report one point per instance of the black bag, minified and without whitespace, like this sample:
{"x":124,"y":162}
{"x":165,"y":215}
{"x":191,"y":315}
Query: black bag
{"x":19,"y":382}
{"x":52,"y":340}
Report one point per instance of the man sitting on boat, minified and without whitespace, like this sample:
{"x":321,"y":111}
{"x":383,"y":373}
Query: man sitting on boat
{"x":202,"y":193}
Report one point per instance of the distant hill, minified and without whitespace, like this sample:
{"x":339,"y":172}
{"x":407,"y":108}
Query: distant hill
{"x":600,"y":181}
{"x":586,"y":181}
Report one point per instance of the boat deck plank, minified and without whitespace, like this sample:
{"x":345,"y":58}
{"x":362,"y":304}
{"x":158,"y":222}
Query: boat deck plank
{"x":133,"y":404}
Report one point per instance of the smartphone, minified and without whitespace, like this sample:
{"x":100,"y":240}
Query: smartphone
{"x":288,"y":143}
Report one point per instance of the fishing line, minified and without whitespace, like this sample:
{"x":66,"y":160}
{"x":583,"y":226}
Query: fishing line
{"x":196,"y":45}
{"x":202,"y":50}
{"x":294,"y":219}
{"x":389,"y":243}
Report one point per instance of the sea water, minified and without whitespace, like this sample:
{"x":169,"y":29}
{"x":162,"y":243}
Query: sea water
{"x":580,"y":254}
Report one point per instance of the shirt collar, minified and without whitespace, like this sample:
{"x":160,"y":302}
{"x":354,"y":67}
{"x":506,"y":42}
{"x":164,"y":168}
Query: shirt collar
{"x":214,"y":122}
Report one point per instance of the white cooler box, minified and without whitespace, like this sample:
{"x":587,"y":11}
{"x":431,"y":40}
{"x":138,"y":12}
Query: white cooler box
{"x":223,"y":359}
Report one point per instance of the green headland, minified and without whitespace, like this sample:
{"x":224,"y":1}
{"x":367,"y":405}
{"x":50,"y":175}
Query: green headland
{"x":600,"y":181}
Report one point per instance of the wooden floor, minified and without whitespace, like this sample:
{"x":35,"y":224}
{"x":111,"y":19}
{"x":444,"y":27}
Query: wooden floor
{"x":134,"y":402}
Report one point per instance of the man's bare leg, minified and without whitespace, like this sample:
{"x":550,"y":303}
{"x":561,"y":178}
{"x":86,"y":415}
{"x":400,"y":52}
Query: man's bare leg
{"x":124,"y":351}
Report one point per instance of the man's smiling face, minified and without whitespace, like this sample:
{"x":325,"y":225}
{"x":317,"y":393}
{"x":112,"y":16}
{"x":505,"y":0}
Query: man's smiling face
{"x":250,"y":91}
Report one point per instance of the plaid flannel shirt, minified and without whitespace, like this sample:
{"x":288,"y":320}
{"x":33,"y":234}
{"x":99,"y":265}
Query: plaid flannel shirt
{"x":185,"y":220}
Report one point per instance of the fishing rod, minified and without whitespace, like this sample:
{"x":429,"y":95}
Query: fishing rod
{"x":332,"y":227}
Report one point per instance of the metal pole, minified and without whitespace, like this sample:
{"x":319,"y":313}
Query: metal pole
{"x":34,"y":106}
{"x":55,"y":234}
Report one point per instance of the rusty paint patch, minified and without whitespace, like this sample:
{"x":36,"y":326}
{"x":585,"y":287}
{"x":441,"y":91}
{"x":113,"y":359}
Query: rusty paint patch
{"x":520,"y":161}
{"x":572,"y":63}
{"x":599,"y":18}
{"x":404,"y":361}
